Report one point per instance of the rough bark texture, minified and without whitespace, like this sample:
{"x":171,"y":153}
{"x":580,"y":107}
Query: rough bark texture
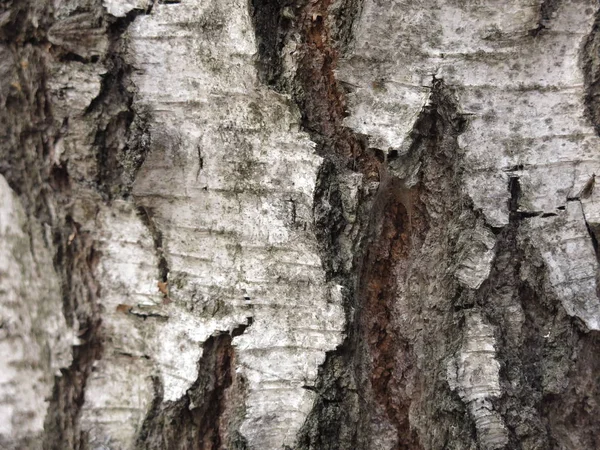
{"x":301,"y":224}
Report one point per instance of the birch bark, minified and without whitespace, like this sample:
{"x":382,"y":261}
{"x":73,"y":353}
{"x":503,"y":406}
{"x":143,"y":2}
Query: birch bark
{"x":302,"y":224}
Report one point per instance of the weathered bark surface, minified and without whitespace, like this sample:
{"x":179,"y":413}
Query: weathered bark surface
{"x":299,"y":224}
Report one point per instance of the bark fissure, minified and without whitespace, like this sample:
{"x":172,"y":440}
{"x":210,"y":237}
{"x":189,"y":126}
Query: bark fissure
{"x":27,"y":164}
{"x":590,"y":65}
{"x":40,"y":43}
{"x":537,"y":344}
{"x":389,"y":219}
{"x":163,"y":266}
{"x":78,"y":259}
{"x":322,"y":105}
{"x":119,"y":140}
{"x":386,"y":254}
{"x":200,"y":419}
{"x":112,"y":111}
{"x":273,"y":18}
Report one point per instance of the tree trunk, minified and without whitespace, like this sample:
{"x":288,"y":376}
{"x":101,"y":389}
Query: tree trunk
{"x":324,"y":224}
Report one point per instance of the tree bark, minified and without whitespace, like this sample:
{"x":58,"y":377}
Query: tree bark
{"x":324,"y":224}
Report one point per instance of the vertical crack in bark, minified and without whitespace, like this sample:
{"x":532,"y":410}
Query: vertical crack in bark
{"x":163,"y":266}
{"x":320,"y":99}
{"x":544,"y":375}
{"x":121,"y":137}
{"x":76,"y":257}
{"x":389,"y":226}
{"x":590,"y":65}
{"x":200,"y":420}
{"x":273,"y":18}
{"x":322,"y":105}
{"x":387,"y":254}
{"x":571,"y":410}
{"x":400,"y":222}
{"x":494,"y":299}
{"x":533,"y":336}
{"x":26,"y":161}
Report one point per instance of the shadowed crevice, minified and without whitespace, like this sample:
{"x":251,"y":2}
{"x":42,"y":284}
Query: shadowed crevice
{"x":198,"y":421}
{"x":121,"y":140}
{"x":590,"y":65}
{"x":76,"y":258}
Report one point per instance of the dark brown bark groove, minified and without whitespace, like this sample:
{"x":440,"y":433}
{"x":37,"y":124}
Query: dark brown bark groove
{"x":200,"y":419}
{"x":534,"y":369}
{"x":392,"y":220}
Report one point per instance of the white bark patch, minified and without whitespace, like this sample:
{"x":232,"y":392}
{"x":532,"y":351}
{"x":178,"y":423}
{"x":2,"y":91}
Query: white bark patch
{"x":117,"y":396}
{"x":475,"y":257}
{"x":474,"y":374}
{"x":567,"y":250}
{"x":120,"y":8}
{"x":119,"y":389}
{"x":591,"y":207}
{"x":229,"y":182}
{"x":34,"y":339}
{"x":506,"y":79}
